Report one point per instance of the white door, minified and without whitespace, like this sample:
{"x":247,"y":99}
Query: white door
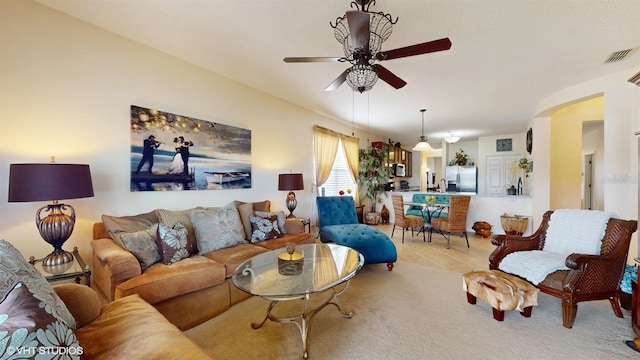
{"x":498,"y":173}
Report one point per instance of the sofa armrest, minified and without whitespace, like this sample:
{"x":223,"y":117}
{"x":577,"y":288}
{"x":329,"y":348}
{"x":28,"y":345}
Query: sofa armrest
{"x":81,"y":300}
{"x":112,"y":265}
{"x":293,"y":226}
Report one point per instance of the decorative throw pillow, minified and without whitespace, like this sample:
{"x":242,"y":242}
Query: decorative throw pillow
{"x":170,"y":218}
{"x":279,"y":214}
{"x":14,"y":268}
{"x":27,"y":326}
{"x":118,"y":224}
{"x":217,"y":229}
{"x":173,"y":243}
{"x":262,"y":205}
{"x":142,"y":244}
{"x":245,"y":210}
{"x":264,"y":228}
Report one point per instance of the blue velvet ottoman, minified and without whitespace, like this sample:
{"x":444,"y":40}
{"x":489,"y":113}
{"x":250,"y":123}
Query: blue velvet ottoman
{"x":338,"y":223}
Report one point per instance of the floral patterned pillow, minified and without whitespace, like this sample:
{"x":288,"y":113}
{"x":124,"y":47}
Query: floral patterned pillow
{"x":279,"y":214}
{"x":14,"y":268}
{"x":264,"y":228}
{"x":27,"y":328}
{"x":173,"y":243}
{"x":217,"y":228}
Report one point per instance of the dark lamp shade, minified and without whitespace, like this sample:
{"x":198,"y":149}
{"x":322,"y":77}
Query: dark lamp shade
{"x":290,"y":182}
{"x":47,"y":182}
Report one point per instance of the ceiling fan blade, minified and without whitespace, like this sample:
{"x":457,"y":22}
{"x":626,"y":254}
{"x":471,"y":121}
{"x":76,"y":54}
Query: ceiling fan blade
{"x":418,"y":49}
{"x":359,"y":27}
{"x":312,"y":59}
{"x":338,"y":81}
{"x":388,"y":77}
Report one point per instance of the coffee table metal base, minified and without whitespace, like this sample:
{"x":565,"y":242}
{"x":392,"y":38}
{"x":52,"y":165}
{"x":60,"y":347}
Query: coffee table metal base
{"x":302,"y":319}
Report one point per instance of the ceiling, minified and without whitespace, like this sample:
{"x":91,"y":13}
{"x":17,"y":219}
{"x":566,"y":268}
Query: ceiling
{"x":506,"y":55}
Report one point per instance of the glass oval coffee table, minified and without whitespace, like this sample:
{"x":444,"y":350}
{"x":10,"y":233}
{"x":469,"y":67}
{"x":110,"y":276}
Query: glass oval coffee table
{"x":289,"y":274}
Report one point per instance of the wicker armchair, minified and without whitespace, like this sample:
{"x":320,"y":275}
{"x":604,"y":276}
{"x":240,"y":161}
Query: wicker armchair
{"x":405,"y":221}
{"x":591,"y":277}
{"x":457,"y":220}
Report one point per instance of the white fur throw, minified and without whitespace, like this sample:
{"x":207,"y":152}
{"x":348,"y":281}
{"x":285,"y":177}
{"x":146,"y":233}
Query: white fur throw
{"x":533,"y":265}
{"x":570,"y":231}
{"x":576,"y":231}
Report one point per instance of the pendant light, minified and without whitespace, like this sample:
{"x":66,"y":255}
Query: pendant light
{"x":423,"y":145}
{"x":451,"y":139}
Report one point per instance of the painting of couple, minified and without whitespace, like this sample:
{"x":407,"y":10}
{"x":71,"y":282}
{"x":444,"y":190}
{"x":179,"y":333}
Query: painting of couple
{"x":180,"y":162}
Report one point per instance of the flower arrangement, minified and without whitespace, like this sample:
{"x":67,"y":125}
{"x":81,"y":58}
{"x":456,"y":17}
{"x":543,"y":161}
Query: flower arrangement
{"x":430,"y":199}
{"x":341,"y":192}
{"x":525,"y":165}
{"x":461,"y":158}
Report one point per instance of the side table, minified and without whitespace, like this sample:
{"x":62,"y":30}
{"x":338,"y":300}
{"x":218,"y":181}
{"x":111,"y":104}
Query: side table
{"x":77,"y":269}
{"x":514,"y":224}
{"x":307,"y":223}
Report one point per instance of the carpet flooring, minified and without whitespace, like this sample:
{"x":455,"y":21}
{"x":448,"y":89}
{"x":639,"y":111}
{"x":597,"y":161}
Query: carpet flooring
{"x":418,"y":312}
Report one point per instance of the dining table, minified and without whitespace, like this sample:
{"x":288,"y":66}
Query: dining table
{"x":429,"y":210}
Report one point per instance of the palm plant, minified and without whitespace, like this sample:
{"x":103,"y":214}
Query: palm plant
{"x":373,"y":174}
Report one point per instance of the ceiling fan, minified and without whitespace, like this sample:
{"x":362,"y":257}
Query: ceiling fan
{"x":362,"y":32}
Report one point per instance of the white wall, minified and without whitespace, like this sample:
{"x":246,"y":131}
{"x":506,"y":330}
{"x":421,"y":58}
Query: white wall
{"x":66,"y":88}
{"x":621,"y":121}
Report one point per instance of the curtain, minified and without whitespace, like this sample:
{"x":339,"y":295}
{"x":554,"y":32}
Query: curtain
{"x":351,"y":145}
{"x":325,"y":143}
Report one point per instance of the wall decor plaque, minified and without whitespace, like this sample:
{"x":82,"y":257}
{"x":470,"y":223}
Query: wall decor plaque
{"x":504,"y":145}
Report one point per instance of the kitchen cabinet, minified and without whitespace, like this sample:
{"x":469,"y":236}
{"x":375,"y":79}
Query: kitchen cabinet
{"x":396,"y":155}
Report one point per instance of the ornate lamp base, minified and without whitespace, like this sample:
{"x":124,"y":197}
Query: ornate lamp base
{"x":57,"y":258}
{"x":56,"y":229}
{"x":291,"y":204}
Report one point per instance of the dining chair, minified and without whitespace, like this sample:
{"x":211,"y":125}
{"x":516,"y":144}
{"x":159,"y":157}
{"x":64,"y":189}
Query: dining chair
{"x":406,"y":222}
{"x":457,"y":220}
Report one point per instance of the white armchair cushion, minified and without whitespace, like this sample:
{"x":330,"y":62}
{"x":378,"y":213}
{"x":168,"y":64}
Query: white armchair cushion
{"x":576,"y":231}
{"x":533,"y":265}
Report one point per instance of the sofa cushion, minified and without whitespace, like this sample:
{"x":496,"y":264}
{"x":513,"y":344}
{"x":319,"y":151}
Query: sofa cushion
{"x":173,"y":243}
{"x":25,"y":323}
{"x":217,"y":229}
{"x":142,"y":244}
{"x":264,"y":228}
{"x":170,"y":218}
{"x":117,"y":224}
{"x":161,"y":282}
{"x":130,"y":328}
{"x":245,"y":210}
{"x":15,"y":269}
{"x":233,"y":257}
{"x":279,"y":214}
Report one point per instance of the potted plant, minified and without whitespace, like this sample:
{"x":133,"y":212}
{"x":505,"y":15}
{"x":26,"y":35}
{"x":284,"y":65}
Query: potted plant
{"x":373,"y":175}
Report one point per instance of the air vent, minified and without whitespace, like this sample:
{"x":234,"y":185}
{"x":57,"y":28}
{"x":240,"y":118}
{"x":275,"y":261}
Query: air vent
{"x":618,"y":56}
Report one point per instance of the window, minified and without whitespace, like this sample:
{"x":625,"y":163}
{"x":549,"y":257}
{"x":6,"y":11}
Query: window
{"x":340,"y":177}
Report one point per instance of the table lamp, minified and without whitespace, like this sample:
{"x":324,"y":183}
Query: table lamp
{"x":290,"y":182}
{"x":51,"y":182}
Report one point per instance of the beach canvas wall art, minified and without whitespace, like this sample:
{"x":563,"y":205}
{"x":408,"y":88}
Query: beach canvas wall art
{"x":172,"y":152}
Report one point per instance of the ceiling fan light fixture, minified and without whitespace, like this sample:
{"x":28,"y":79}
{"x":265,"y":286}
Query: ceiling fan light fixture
{"x":423,"y":145}
{"x":361,"y":77}
{"x":380,"y":28}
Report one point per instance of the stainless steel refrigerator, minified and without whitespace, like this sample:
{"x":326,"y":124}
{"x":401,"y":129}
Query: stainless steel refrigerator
{"x":462,"y":178}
